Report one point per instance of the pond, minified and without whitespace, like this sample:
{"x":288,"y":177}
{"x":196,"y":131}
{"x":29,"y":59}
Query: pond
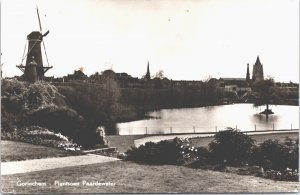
{"x":244,"y":117}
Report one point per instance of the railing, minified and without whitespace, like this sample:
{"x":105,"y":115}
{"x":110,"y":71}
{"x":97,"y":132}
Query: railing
{"x":168,"y":130}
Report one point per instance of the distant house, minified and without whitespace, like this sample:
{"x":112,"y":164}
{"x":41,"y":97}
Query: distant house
{"x":77,"y":75}
{"x":234,"y":86}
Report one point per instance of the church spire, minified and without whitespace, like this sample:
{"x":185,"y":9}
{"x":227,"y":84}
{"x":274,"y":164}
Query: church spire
{"x":147,"y":76}
{"x":248,"y":74}
{"x":257,"y":60}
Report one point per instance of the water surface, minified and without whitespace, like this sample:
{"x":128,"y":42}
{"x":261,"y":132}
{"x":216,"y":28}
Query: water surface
{"x":213,"y":118}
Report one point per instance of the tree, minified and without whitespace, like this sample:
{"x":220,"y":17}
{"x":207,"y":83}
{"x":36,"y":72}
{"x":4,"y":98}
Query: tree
{"x":160,"y":74}
{"x":264,"y":93}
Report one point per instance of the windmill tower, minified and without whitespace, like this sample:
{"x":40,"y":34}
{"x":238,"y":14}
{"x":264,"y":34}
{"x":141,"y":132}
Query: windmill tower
{"x":34,"y":70}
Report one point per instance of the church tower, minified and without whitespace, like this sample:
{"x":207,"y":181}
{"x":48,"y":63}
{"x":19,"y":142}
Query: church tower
{"x":258,"y":72}
{"x":147,"y":76}
{"x":248,"y":74}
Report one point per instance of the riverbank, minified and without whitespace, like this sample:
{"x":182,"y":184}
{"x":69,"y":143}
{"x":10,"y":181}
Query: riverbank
{"x":125,"y":142}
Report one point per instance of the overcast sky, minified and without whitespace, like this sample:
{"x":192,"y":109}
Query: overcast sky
{"x":188,"y":40}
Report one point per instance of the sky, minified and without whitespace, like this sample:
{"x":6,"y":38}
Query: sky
{"x":187,"y":39}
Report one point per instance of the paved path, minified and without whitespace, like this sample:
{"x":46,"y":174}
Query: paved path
{"x":9,"y":168}
{"x":159,"y":138}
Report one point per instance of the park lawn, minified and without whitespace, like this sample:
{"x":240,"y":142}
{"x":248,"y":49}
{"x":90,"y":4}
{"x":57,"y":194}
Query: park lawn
{"x":258,"y":138}
{"x":15,"y":151}
{"x":136,"y":178}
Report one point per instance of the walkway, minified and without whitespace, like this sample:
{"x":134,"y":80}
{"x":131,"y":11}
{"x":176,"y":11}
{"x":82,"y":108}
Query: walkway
{"x":9,"y":168}
{"x":159,"y":138}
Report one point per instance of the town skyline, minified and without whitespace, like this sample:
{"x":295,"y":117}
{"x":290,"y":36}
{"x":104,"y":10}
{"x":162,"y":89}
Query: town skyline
{"x":187,"y":40}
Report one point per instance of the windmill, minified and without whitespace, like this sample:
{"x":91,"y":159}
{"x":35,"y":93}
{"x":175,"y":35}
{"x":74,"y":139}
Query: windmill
{"x":34,"y":70}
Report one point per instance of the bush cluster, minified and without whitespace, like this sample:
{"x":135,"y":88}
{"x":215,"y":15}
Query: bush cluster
{"x":40,"y":104}
{"x":27,"y":98}
{"x":174,"y":152}
{"x":275,"y":156}
{"x":229,"y":148}
{"x":163,"y":152}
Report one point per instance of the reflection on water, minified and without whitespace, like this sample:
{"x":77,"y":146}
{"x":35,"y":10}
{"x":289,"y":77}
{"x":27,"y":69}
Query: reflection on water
{"x":213,"y":118}
{"x":263,"y":118}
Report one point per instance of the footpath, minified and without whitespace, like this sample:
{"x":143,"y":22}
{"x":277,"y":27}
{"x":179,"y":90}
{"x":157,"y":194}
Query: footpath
{"x":14,"y":167}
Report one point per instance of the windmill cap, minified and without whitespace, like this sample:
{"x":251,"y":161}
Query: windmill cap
{"x":35,"y":35}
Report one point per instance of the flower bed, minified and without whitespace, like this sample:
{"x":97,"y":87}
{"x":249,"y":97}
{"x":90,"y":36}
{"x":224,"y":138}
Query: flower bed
{"x":41,"y":136}
{"x":286,"y":175}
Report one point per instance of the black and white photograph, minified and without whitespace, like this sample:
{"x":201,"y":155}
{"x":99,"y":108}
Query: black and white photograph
{"x":149,"y":96}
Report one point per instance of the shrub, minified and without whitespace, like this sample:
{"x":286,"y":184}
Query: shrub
{"x":202,"y":157}
{"x":293,"y":157}
{"x":231,"y":147}
{"x":40,"y":104}
{"x":176,"y":151}
{"x":272,"y":155}
{"x":21,"y":97}
{"x":163,"y":152}
{"x":67,"y":121}
{"x":8,"y":120}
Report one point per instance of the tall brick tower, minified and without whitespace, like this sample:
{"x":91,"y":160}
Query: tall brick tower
{"x":258,"y":72}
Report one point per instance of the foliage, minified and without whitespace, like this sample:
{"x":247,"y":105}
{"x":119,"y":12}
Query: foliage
{"x":231,"y":147}
{"x":272,"y":155}
{"x":202,"y":158}
{"x":176,"y":152}
{"x":19,"y":99}
{"x":66,"y":121}
{"x":27,"y":98}
{"x":170,"y":95}
{"x":60,"y":119}
{"x":160,"y":74}
{"x":264,"y":93}
{"x":96,"y":100}
{"x":284,"y":175}
{"x":163,"y":152}
{"x":26,"y":104}
{"x":8,"y":120}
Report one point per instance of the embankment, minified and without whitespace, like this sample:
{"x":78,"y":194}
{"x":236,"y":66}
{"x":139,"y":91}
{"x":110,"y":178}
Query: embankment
{"x":125,"y":142}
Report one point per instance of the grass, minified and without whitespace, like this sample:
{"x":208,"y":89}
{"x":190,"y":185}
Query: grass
{"x":122,"y":142}
{"x":15,"y":151}
{"x":135,"y":178}
{"x":259,"y":138}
